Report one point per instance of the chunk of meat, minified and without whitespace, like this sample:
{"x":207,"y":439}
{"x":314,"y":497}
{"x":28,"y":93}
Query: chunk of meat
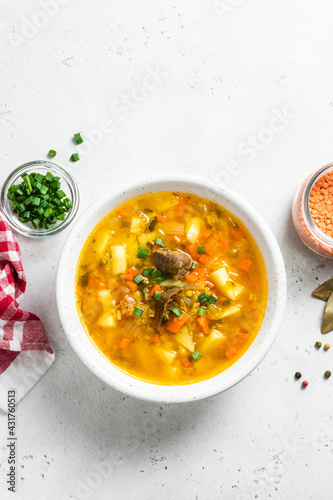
{"x":168,"y":300}
{"x":173,"y":263}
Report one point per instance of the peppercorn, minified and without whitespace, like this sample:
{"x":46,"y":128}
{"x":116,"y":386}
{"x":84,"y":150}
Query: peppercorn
{"x":298,"y":375}
{"x":318,"y":344}
{"x":326,"y":347}
{"x":305,"y":383}
{"x":328,"y":374}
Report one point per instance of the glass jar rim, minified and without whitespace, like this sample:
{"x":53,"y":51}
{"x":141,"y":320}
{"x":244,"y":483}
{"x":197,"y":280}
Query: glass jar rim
{"x":312,"y":226}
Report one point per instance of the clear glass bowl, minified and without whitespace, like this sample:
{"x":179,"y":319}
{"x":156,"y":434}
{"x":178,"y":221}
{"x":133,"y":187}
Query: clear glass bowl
{"x":304,"y":224}
{"x":68,"y":185}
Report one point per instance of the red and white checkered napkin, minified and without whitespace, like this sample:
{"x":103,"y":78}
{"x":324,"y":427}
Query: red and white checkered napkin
{"x":25,"y":352}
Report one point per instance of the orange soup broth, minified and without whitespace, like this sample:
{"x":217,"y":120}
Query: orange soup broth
{"x":152,"y":353}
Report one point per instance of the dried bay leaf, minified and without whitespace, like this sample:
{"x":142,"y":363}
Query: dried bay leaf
{"x":327,"y":325}
{"x":324,"y":291}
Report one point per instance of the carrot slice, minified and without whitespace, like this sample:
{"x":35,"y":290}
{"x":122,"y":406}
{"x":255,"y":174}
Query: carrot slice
{"x":180,"y":209}
{"x":161,"y":218}
{"x":204,"y":259}
{"x":127,"y":276}
{"x":156,"y":339}
{"x":132,"y":286}
{"x":186,"y":362}
{"x":211,"y":247}
{"x":201,"y":273}
{"x":224,"y":243}
{"x":193,"y":250}
{"x":238,"y":234}
{"x":205,"y":232}
{"x":245,"y":265}
{"x":124,"y":343}
{"x":243,"y":336}
{"x":203,"y":324}
{"x":156,"y":288}
{"x":177,"y":323}
{"x":231,"y":352}
{"x":191,"y":278}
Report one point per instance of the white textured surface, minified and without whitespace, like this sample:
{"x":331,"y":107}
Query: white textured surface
{"x":223,"y":74}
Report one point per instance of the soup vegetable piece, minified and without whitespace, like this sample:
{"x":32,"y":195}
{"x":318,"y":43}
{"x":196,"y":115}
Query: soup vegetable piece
{"x":171,"y":288}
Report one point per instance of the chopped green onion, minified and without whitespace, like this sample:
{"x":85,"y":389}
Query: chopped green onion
{"x":176,"y":311}
{"x":202,"y":311}
{"x":39,"y":178}
{"x":159,"y":242}
{"x":26,"y":179}
{"x":74,"y":157}
{"x":156,"y":276}
{"x":39,"y":200}
{"x":196,"y":355}
{"x":193,"y":265}
{"x":36,"y":223}
{"x":211,"y":300}
{"x":48,"y":212}
{"x":49,"y":177}
{"x":78,"y":139}
{"x":52,"y":153}
{"x":157,"y":295}
{"x":35,"y":201}
{"x":146,"y":272}
{"x":60,"y":194}
{"x":138,"y":279}
{"x":143,"y":253}
{"x":201,"y":249}
{"x":203,"y":297}
{"x":138,"y":312}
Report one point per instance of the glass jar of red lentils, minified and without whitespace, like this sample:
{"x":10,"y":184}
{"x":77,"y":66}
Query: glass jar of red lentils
{"x":313,"y":211}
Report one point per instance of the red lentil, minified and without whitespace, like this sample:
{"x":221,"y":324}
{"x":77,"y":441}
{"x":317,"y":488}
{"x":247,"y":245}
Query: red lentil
{"x":313,"y":211}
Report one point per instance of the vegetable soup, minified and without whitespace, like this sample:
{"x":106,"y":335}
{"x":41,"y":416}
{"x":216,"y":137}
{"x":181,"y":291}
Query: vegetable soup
{"x":171,"y":288}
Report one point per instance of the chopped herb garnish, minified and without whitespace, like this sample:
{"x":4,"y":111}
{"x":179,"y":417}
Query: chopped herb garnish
{"x":74,"y":157}
{"x":39,"y":200}
{"x":193,"y":265}
{"x":203,"y":297}
{"x":138,"y":312}
{"x":159,"y":242}
{"x":211,"y":300}
{"x":78,"y":139}
{"x":201,"y":250}
{"x":138,"y":279}
{"x":143,"y":253}
{"x":176,"y":311}
{"x":157,"y":277}
{"x":157,"y":295}
{"x":196,"y":355}
{"x":52,"y":153}
{"x":146,"y":272}
{"x":202,"y":311}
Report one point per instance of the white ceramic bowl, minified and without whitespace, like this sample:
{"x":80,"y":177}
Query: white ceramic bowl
{"x":98,"y":363}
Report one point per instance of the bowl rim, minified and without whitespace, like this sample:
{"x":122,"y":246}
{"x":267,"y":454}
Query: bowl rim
{"x":126,"y":383}
{"x":54,"y":168}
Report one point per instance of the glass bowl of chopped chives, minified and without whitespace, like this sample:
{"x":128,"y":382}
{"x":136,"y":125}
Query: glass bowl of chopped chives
{"x":39,"y":199}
